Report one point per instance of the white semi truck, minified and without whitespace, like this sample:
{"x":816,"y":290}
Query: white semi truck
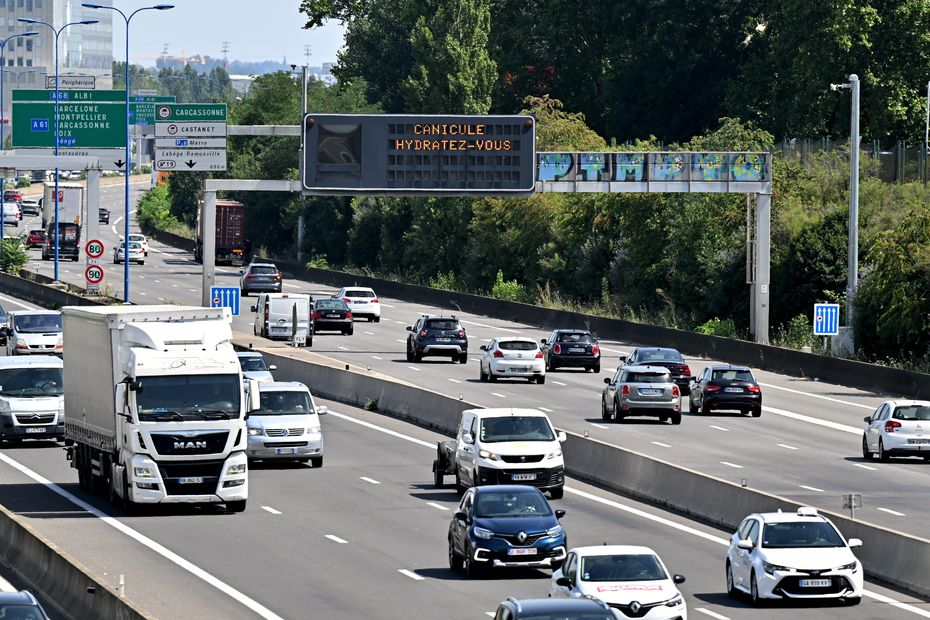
{"x":70,"y":204}
{"x":154,"y":405}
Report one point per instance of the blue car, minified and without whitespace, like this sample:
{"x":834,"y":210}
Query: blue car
{"x":505,"y":526}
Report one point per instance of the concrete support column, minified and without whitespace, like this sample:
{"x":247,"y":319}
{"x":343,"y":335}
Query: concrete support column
{"x":761,"y":288}
{"x":91,"y":227}
{"x":208,"y":227}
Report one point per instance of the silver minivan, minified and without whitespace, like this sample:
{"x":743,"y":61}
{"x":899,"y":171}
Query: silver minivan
{"x":287,"y":426}
{"x":32,"y":400}
{"x":34,"y":331}
{"x":274,"y":314}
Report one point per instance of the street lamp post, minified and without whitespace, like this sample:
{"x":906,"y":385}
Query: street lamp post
{"x":3,"y":118}
{"x":157,"y":7}
{"x":83,"y":22}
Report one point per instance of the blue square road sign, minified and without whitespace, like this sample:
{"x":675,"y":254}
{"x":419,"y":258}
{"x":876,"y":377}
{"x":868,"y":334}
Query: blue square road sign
{"x":225,"y":296}
{"x":826,"y":319}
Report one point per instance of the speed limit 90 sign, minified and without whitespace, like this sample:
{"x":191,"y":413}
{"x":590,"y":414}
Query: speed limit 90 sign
{"x":93,"y":274}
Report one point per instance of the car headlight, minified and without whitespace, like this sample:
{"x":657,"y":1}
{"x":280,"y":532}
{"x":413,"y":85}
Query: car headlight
{"x":554,"y":532}
{"x":554,"y":455}
{"x":771,"y":568}
{"x":21,"y":342}
{"x":851,"y":566}
{"x":143,"y":472}
{"x":235,"y":469}
{"x":675,"y":602}
{"x":488,"y":455}
{"x":314,"y":430}
{"x":483,"y":534}
{"x":254,"y":431}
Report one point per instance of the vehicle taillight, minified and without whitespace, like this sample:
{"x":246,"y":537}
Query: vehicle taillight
{"x":755,"y":389}
{"x":498,"y":354}
{"x":685,"y":370}
{"x":675,"y":392}
{"x":277,"y":277}
{"x":595,"y":350}
{"x":348,"y":315}
{"x":539,"y":355}
{"x":711,"y":387}
{"x":625,"y":390}
{"x":316,"y":314}
{"x":374,"y":301}
{"x":423,"y":333}
{"x":890,"y":425}
{"x":557,"y":349}
{"x":461,"y":333}
{"x":347,"y":300}
{"x":266,"y":315}
{"x":249,"y":276}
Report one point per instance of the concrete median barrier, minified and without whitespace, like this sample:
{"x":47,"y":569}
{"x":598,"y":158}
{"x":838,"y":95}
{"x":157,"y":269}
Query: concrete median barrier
{"x":72,"y":589}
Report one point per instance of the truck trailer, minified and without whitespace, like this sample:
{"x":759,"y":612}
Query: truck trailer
{"x":230,"y":234}
{"x":154,"y":405}
{"x":70,"y":204}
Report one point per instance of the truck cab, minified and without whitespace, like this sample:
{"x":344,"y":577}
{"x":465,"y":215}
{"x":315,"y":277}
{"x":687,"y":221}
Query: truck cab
{"x":31,"y":398}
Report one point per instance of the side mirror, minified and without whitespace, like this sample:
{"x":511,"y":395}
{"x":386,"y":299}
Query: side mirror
{"x":678,"y":578}
{"x":622,"y":358}
{"x":483,"y":348}
{"x":607,"y":380}
{"x":410,"y":328}
{"x":460,"y":516}
{"x":692,"y":379}
{"x":272,"y":367}
{"x":559,"y":513}
{"x":867,"y":419}
{"x":467,"y":438}
{"x":562,"y":437}
{"x":542,"y":341}
{"x":322,"y":410}
{"x":854,"y":542}
{"x":255,"y":401}
{"x":242,"y":272}
{"x":253,"y":308}
{"x":135,"y":386}
{"x":745,"y":544}
{"x":563,"y":582}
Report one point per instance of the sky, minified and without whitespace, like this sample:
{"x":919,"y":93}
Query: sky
{"x":255,"y":29}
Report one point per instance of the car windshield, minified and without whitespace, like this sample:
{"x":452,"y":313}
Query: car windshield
{"x":193,"y":397}
{"x":516,"y":428}
{"x":20,"y":612}
{"x":284,"y":403}
{"x":31,"y":381}
{"x":799,"y":534}
{"x":263,"y":270}
{"x":662,"y":355}
{"x":912,"y":412}
{"x":494,"y":504}
{"x":40,"y":233}
{"x":37,"y":323}
{"x":732,"y":375}
{"x":442,"y":324}
{"x":633,"y":567}
{"x":647,"y":377}
{"x":357,"y":294}
{"x":249,"y":364}
{"x":516,"y":345}
{"x":138,"y":238}
{"x":579,"y":337}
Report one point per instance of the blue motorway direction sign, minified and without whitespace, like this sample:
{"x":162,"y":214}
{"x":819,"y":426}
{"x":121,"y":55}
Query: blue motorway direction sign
{"x":826,"y":319}
{"x":225,"y":297}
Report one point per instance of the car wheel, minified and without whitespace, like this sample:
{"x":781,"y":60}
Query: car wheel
{"x":692,"y":408}
{"x":676,"y":418}
{"x":596,"y":368}
{"x":618,"y":412}
{"x":756,"y":412}
{"x":882,"y":455}
{"x":852,"y":600}
{"x":481,"y":376}
{"x":455,"y":562}
{"x":459,"y":487}
{"x":491,"y":376}
{"x":350,"y":331}
{"x":463,"y":358}
{"x":754,"y":590}
{"x":409,"y":355}
{"x":685,"y":390}
{"x":557,"y":492}
{"x":663,"y":419}
{"x":377,"y":319}
{"x":604,"y":414}
{"x":316,"y":462}
{"x":732,"y":592}
{"x":552,"y":367}
{"x":237,"y":506}
{"x":141,"y":262}
{"x":705,"y":410}
{"x":471,"y":569}
{"x":417,"y":357}
{"x":540,"y":379}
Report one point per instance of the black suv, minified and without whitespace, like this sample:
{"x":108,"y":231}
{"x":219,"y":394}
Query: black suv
{"x":659,"y":356}
{"x":585,"y":608}
{"x":437,"y":336}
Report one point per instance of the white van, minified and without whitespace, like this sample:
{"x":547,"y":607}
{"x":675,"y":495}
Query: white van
{"x":34,"y":332}
{"x":287,"y":425}
{"x":10,"y":213}
{"x":32,"y":400}
{"x":274,"y":314}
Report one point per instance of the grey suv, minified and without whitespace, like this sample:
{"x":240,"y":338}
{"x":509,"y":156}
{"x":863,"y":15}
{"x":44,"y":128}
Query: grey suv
{"x":641,"y":390}
{"x":437,"y":335}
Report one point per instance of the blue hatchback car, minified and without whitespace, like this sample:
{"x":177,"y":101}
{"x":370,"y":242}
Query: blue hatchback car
{"x":505,"y":526}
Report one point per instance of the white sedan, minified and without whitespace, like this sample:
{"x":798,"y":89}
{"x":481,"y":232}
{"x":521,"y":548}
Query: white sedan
{"x":361,"y":301}
{"x":632,"y":580}
{"x":136,"y":253}
{"x":141,"y":240}
{"x":512,"y":356}
{"x":898,"y":428}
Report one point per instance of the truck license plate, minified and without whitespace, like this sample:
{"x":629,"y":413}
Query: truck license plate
{"x":285,"y":450}
{"x":191,"y":480}
{"x":529,"y":551}
{"x":36,"y":429}
{"x":815,"y":583}
{"x":524,"y":476}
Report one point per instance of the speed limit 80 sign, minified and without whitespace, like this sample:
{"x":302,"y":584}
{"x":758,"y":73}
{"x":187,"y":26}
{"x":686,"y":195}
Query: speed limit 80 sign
{"x":94,"y":248}
{"x":93,"y":274}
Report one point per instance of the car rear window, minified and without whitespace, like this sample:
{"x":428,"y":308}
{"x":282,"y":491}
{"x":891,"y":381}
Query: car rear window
{"x":264,"y":270}
{"x":732,"y":375}
{"x":330,"y":304}
{"x":283,"y":305}
{"x":366,"y":294}
{"x":516,"y":345}
{"x":912,"y":412}
{"x":579,"y":337}
{"x":646,"y":377}
{"x":662,"y":355}
{"x":442,"y":324}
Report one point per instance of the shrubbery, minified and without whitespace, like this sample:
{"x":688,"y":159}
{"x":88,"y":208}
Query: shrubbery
{"x":12,"y":255}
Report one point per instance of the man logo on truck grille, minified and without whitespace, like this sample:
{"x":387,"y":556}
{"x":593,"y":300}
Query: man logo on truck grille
{"x":190,"y":445}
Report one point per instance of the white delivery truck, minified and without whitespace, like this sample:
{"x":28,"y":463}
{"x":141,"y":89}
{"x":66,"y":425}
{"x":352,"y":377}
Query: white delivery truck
{"x":70,"y":204}
{"x":154,"y":404}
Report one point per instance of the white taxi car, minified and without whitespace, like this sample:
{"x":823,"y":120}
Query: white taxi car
{"x":512,"y":356}
{"x":898,"y":428}
{"x":632,"y":580}
{"x":361,"y":301}
{"x":783,"y":555}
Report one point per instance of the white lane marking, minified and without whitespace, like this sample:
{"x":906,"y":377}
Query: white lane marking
{"x":291,"y":285}
{"x":720,"y":428}
{"x":141,"y":293}
{"x":368,"y":480}
{"x":630,"y":510}
{"x":892,"y":512}
{"x":663,"y":445}
{"x":6,"y":586}
{"x":142,"y":277}
{"x":157,"y":281}
{"x":454,"y":380}
{"x":399,"y":340}
{"x":336,"y":539}
{"x":370,"y":333}
{"x":490,"y":614}
{"x":498,"y":395}
{"x":437,"y":506}
{"x":387,"y":305}
{"x":559,"y":383}
{"x":810,"y":420}
{"x":271,"y":510}
{"x":411,"y":574}
{"x":166,"y":553}
{"x":729,"y":464}
{"x":476,"y":324}
{"x":599,"y":426}
{"x":342,"y":348}
{"x":712,"y":614}
{"x":175,"y":285}
{"x":832,"y":400}
{"x":865,"y":467}
{"x":414,"y":368}
{"x":400,"y":322}
{"x":786,"y":446}
{"x":192,"y":290}
{"x":603,"y":348}
{"x":375,"y":357}
{"x":545,"y":409}
{"x":815,"y":489}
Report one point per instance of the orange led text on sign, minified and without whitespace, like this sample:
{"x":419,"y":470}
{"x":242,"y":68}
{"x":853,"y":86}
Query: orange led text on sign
{"x":464,"y":137}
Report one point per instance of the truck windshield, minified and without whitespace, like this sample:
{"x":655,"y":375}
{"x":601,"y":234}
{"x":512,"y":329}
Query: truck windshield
{"x":516,"y":428}
{"x":31,"y":382}
{"x":284,"y":403}
{"x":191,"y":397}
{"x":37,"y":323}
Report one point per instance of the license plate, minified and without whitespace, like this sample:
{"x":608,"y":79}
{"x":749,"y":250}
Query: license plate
{"x":285,"y":450}
{"x":524,"y":476}
{"x":528,"y":551}
{"x":280,"y":330}
{"x":733,"y":390}
{"x":650,"y":392}
{"x":517,"y":369}
{"x":191,"y":480}
{"x":332,"y":316}
{"x":36,"y":429}
{"x":576,"y":350}
{"x":920,"y":442}
{"x":444,"y":340}
{"x":815,"y":583}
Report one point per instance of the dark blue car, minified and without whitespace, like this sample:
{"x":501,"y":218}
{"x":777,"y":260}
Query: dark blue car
{"x":505,"y":526}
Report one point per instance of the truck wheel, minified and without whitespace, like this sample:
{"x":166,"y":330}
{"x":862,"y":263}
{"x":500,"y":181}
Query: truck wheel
{"x":237,"y":506}
{"x":316,"y":462}
{"x":557,"y":492}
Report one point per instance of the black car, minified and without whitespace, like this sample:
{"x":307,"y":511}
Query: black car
{"x":584,"y":608}
{"x":437,"y":336}
{"x":726,"y":387}
{"x":260,"y":278}
{"x":571,"y":348}
{"x":21,"y":605}
{"x":505,"y":525}
{"x":332,"y":315}
{"x":669,"y":358}
{"x":68,"y":247}
{"x":103,"y":216}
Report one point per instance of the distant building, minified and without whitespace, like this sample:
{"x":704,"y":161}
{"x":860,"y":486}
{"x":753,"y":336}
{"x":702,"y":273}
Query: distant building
{"x":241,"y":83}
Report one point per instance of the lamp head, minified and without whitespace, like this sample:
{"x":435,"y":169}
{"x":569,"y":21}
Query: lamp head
{"x":27,"y":20}
{"x":30,"y":33}
{"x":92,"y":5}
{"x":88,"y":22}
{"x":163,"y":7}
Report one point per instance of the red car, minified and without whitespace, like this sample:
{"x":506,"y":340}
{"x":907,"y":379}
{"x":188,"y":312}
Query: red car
{"x":36,"y":238}
{"x":13,"y":195}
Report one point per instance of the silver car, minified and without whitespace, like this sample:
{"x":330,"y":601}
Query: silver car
{"x":287,"y":426}
{"x":898,"y":428}
{"x":254,"y":367}
{"x":641,"y":391}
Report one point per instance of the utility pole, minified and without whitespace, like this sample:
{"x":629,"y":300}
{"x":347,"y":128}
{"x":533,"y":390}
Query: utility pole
{"x":226,"y":55}
{"x":307,"y":56}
